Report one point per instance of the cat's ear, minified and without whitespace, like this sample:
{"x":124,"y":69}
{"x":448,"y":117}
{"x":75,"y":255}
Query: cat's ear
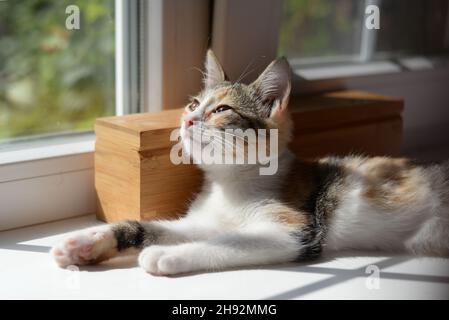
{"x":214,"y":72}
{"x":273,"y":86}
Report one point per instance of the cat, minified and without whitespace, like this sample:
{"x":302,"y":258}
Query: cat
{"x":242,"y":218}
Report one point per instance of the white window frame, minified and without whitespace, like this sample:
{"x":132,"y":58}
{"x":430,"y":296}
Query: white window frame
{"x":52,"y":178}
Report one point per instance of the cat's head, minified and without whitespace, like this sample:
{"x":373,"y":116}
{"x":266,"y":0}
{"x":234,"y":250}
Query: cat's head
{"x":225,"y":105}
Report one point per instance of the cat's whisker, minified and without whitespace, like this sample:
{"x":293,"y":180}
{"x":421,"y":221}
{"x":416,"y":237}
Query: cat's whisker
{"x":246,"y":72}
{"x":203,"y":73}
{"x":212,"y":134}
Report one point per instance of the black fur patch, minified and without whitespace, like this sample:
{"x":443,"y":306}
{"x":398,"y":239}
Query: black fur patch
{"x":129,"y":234}
{"x":326,"y":196}
{"x":310,"y":241}
{"x":321,"y":202}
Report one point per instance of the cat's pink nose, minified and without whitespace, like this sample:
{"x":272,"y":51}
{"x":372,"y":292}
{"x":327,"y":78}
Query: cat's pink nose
{"x":188,"y":122}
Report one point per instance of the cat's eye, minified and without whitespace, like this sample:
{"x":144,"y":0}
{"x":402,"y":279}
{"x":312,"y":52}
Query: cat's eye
{"x":193,"y":105}
{"x":221,"y":108}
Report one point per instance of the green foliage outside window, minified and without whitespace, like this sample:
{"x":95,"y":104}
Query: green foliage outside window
{"x":53,"y":79}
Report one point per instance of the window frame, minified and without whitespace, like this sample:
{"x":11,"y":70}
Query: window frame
{"x":52,"y":178}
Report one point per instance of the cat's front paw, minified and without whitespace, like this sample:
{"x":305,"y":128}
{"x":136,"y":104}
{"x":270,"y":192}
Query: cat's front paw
{"x":85,"y":247}
{"x":164,"y":261}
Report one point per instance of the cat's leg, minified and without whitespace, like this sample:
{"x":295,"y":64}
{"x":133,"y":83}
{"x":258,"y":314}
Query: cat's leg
{"x":100,"y":243}
{"x":258,"y":246}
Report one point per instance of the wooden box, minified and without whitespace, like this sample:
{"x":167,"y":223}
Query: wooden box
{"x":135,"y":179}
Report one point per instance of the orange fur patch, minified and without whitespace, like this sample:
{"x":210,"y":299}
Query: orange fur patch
{"x":389,"y":183}
{"x":292,"y":217}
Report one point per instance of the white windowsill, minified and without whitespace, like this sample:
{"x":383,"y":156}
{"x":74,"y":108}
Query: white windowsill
{"x":46,"y":148}
{"x":348,"y":70}
{"x":342,"y":68}
{"x":46,"y":179}
{"x":368,"y":76}
{"x":43,"y":157}
{"x":343,"y":276}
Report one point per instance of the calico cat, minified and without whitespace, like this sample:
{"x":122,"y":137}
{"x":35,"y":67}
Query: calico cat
{"x":243,"y":218}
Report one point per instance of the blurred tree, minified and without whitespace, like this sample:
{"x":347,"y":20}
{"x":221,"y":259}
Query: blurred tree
{"x":320,"y":27}
{"x":330,"y":28}
{"x":53,"y":79}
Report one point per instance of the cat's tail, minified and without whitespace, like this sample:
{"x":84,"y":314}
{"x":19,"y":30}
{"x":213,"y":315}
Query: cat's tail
{"x":444,"y":186}
{"x":438,"y":176}
{"x":433,"y":237}
{"x":445,"y":169}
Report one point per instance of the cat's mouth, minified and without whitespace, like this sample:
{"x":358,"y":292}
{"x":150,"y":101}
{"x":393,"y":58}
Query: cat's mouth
{"x":192,"y":132}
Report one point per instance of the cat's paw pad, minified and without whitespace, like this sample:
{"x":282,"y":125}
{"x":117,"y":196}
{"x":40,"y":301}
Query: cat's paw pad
{"x":84,"y":247}
{"x":162,"y":261}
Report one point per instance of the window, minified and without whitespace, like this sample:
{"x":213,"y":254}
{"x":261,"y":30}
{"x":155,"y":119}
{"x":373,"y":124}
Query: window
{"x":329,"y":31}
{"x":127,"y":56}
{"x":54,"y":79}
{"x":328,"y":40}
{"x":322,"y":28}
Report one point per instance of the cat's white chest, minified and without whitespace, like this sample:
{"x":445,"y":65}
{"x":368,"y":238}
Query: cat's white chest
{"x":221,"y":205}
{"x":219,"y":201}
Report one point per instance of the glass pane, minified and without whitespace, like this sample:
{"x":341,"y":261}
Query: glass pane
{"x":413,"y":27}
{"x":54,"y":76}
{"x":317,"y":31}
{"x":320,"y":28}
